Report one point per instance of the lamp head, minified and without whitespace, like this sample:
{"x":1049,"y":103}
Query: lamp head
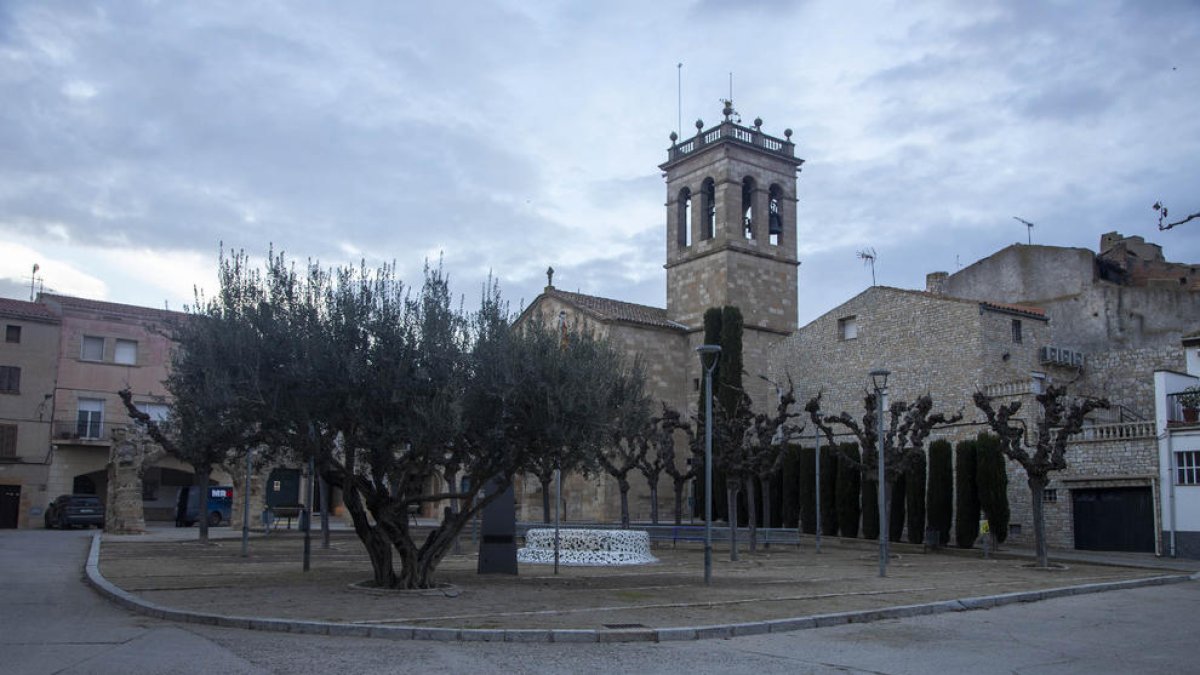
{"x":879,"y":379}
{"x":708,"y":350}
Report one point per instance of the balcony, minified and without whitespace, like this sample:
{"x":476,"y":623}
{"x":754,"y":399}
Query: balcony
{"x":85,"y":433}
{"x":1178,"y":415}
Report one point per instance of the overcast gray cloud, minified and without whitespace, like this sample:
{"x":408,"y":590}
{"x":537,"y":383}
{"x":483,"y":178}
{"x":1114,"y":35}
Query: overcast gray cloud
{"x":509,"y":136}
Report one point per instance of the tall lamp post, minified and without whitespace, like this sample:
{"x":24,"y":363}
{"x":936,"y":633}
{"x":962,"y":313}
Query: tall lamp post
{"x":711,"y":351}
{"x":879,"y":380}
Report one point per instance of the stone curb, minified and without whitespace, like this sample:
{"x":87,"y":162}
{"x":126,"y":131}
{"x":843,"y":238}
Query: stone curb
{"x":136,"y":604}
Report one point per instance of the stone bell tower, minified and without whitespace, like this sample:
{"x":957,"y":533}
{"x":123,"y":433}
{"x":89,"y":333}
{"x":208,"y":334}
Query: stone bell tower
{"x":731,"y":228}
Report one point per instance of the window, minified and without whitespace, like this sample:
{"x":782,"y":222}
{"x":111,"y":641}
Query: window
{"x":1016,"y":334}
{"x":708,"y":192}
{"x":1187,"y":467}
{"x":125,"y":352}
{"x":10,"y":379}
{"x":1049,"y":496}
{"x":93,"y":348}
{"x":1037,"y":385}
{"x":159,"y":411}
{"x":8,"y":440}
{"x":12,"y":333}
{"x":684,"y":216}
{"x":848,"y":328}
{"x":91,"y":417}
{"x":748,"y":207}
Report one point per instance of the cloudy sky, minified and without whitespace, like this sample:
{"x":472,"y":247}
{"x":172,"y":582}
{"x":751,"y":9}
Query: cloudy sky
{"x":135,"y":137}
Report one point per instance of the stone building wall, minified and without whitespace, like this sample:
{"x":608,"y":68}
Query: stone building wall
{"x":1126,"y":377}
{"x":929,"y":344}
{"x":1131,"y":461}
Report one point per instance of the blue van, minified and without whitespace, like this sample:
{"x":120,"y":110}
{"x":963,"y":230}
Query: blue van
{"x":187,"y":505}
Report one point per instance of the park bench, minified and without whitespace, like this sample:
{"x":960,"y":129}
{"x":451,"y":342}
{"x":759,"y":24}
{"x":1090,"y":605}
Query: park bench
{"x":273,"y":514}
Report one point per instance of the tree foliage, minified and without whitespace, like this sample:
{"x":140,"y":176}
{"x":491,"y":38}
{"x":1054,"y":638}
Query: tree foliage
{"x":391,"y":390}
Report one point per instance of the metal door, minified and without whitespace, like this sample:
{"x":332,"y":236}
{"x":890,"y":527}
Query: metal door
{"x":1114,"y":519}
{"x":10,"y":505}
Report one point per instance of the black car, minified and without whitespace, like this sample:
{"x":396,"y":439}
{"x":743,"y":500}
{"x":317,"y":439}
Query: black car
{"x":70,"y":510}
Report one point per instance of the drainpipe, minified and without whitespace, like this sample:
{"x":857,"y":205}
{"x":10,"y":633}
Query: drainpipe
{"x":1171,"y":486}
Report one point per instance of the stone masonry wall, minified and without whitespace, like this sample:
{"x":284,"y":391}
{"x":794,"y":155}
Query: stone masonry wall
{"x":1090,"y":464}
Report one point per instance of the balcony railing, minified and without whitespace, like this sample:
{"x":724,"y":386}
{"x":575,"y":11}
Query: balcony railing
{"x":85,"y":432}
{"x":727,"y":130}
{"x":1177,"y":414}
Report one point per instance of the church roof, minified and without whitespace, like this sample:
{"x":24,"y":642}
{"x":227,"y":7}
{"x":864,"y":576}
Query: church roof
{"x":607,"y":309}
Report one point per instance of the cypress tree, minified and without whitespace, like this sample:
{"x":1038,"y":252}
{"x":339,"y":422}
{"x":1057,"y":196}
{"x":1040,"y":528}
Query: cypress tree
{"x":829,"y":468}
{"x":729,"y":392}
{"x":966,"y":498}
{"x":712,"y":336}
{"x":896,"y":509}
{"x":808,"y":494}
{"x":991,"y":478}
{"x":848,"y":491}
{"x":914,"y":489}
{"x":940,"y":493}
{"x":789,"y":492}
{"x":870,"y":509}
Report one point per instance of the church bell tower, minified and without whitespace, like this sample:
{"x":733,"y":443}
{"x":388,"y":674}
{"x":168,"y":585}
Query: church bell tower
{"x":731,"y":227}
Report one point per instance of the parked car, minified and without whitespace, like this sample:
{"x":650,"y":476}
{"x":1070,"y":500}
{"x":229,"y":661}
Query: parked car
{"x":70,"y":510}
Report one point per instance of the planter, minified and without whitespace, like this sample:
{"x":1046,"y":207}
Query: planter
{"x":1190,"y":415}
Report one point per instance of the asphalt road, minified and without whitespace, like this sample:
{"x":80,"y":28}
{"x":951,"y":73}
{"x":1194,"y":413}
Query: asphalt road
{"x":51,"y":622}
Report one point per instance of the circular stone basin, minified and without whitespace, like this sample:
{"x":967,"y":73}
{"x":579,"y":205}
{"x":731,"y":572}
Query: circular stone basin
{"x":587,"y":547}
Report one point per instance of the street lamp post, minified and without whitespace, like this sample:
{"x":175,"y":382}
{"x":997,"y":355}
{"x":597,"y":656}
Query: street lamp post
{"x":712,"y":351}
{"x":879,"y":381}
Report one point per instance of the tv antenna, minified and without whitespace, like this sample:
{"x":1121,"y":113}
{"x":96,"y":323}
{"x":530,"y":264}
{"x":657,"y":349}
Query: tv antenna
{"x":1028,"y":228}
{"x":33,"y":278}
{"x":867,"y":255}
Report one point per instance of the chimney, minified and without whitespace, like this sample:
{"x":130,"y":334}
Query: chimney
{"x":935,"y":282}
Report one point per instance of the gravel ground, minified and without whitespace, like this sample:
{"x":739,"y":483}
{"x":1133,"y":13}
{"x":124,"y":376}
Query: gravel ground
{"x":784,"y":582}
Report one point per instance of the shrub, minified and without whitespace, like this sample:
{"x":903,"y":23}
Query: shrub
{"x":896,"y":509}
{"x":870,"y":509}
{"x":914,"y":488}
{"x":808,"y":495}
{"x":966,"y":498}
{"x":829,"y":469}
{"x":940,"y":493}
{"x":991,"y":480}
{"x":848,"y":491}
{"x":789,"y":491}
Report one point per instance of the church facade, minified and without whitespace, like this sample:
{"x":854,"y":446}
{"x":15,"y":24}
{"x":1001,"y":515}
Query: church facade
{"x":730,"y":239}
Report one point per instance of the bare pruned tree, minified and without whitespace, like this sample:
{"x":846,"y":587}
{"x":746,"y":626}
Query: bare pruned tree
{"x":1162,"y":216}
{"x":1061,"y":417}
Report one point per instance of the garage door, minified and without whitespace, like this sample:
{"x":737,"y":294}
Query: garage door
{"x":1114,"y":519}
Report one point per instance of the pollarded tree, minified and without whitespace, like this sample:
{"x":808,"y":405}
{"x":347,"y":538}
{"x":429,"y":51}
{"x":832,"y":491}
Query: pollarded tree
{"x":1061,"y":418}
{"x":669,"y":423}
{"x":763,"y":447}
{"x":626,"y":443}
{"x":660,"y":459}
{"x":909,"y":425}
